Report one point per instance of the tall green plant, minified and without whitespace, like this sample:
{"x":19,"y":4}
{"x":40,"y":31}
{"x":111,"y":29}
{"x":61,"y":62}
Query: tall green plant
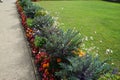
{"x":83,"y":68}
{"x":40,"y":22}
{"x":63,"y":43}
{"x":25,"y":3}
{"x":30,"y":10}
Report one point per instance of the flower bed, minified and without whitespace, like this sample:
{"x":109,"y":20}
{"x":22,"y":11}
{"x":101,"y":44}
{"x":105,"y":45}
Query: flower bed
{"x":57,"y":54}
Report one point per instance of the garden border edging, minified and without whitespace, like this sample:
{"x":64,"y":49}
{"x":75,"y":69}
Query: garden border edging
{"x":28,"y":45}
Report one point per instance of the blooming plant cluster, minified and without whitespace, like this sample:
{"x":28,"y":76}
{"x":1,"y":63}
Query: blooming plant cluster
{"x":52,"y":48}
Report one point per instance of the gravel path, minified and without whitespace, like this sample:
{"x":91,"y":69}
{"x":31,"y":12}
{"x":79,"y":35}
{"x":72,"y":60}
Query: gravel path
{"x":15,"y":62}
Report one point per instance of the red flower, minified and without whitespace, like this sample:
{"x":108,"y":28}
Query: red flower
{"x":35,"y":51}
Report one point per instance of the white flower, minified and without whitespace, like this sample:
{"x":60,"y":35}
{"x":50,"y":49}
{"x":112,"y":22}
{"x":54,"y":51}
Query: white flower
{"x":112,"y":63}
{"x":63,"y":45}
{"x":107,"y":51}
{"x":46,"y":12}
{"x":79,"y":34}
{"x":91,"y":37}
{"x":96,"y":54}
{"x":100,"y":41}
{"x":86,"y":38}
{"x":111,"y":51}
{"x":105,"y":63}
{"x":95,"y":32}
{"x":62,"y":8}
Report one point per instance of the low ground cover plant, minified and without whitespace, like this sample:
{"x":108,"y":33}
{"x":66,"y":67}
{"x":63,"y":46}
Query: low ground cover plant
{"x":57,"y":53}
{"x":29,"y":22}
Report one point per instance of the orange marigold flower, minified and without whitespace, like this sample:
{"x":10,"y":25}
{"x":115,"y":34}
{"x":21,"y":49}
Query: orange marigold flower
{"x":46,"y":65}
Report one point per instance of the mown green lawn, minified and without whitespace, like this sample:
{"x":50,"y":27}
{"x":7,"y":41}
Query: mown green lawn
{"x":98,"y":19}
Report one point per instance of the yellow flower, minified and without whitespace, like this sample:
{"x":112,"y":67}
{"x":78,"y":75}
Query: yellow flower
{"x":79,"y":52}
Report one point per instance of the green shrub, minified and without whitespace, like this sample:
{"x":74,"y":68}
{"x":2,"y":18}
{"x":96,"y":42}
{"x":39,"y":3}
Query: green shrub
{"x":62,"y":43}
{"x":83,"y":68}
{"x":40,"y":22}
{"x":39,"y":41}
{"x":48,"y":31}
{"x":25,"y":3}
{"x":29,"y":22}
{"x":30,"y":10}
